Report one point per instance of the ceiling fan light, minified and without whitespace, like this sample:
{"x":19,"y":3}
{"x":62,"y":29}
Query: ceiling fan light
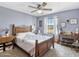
{"x":39,"y":11}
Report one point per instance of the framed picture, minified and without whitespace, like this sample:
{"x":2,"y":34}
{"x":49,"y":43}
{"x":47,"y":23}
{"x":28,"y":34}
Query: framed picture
{"x":63,"y":24}
{"x":40,"y":23}
{"x":73,"y":21}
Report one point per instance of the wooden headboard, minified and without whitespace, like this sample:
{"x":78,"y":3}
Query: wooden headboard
{"x":23,"y":29}
{"x":20,"y":29}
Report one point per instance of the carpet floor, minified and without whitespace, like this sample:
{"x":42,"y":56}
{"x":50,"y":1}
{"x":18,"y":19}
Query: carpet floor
{"x":58,"y":51}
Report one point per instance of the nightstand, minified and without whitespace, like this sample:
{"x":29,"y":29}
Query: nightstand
{"x":4,"y":40}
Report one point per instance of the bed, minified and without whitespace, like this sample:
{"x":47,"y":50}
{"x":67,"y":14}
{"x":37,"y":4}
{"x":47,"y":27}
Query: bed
{"x":34,"y":44}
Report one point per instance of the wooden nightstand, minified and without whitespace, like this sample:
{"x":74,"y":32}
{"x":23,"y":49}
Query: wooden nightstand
{"x":4,"y":40}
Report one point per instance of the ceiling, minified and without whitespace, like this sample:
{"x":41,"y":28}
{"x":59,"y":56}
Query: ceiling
{"x":56,"y":6}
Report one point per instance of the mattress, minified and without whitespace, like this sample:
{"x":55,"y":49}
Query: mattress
{"x":27,"y":41}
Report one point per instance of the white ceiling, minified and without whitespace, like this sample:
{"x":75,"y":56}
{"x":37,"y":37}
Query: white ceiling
{"x":56,"y":6}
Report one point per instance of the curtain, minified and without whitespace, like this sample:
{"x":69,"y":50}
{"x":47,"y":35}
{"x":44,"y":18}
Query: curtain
{"x":46,"y":25}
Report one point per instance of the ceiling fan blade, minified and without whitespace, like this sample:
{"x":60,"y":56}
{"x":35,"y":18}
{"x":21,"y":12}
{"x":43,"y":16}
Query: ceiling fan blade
{"x":33,"y":7}
{"x":47,"y":9}
{"x":33,"y":11}
{"x":44,"y":4}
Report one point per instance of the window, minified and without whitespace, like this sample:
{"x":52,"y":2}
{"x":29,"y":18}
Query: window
{"x":50,"y":25}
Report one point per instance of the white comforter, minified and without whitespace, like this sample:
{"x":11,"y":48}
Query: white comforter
{"x":27,"y":41}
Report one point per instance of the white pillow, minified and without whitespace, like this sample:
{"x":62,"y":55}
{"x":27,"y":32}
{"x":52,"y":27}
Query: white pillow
{"x":22,"y":35}
{"x":19,"y":36}
{"x":30,"y":33}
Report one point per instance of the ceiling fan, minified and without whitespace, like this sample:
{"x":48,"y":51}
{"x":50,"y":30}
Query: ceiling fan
{"x":40,"y":8}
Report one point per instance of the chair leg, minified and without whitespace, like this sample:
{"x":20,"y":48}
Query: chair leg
{"x":77,"y":49}
{"x":13,"y":47}
{"x":4,"y":46}
{"x":71,"y":46}
{"x":13,"y":44}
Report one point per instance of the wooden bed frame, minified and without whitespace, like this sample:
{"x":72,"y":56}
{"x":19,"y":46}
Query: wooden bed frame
{"x":40,"y":48}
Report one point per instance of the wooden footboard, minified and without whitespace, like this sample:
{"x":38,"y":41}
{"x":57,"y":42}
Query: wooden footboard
{"x":43,"y":47}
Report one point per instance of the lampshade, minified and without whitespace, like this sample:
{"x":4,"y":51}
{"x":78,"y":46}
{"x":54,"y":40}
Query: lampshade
{"x":39,"y":11}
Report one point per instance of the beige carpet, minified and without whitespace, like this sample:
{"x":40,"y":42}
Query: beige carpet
{"x":58,"y":51}
{"x":62,"y":51}
{"x":16,"y":52}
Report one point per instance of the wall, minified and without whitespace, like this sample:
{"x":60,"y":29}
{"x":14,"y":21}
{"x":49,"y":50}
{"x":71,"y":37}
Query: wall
{"x":8,"y":16}
{"x":62,"y":17}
